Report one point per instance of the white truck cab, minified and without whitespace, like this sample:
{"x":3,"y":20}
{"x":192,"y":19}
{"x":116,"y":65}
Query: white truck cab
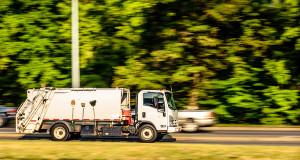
{"x":161,"y":114}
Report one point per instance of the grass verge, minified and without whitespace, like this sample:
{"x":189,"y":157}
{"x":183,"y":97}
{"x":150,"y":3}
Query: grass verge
{"x":118,"y":150}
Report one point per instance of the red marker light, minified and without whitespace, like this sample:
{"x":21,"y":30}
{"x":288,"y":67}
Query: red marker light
{"x":28,"y":91}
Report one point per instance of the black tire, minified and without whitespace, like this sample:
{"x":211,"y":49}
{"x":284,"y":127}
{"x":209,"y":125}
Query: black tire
{"x":2,"y":122}
{"x":190,"y":126}
{"x":60,"y":132}
{"x":147,"y":133}
{"x":159,"y":137}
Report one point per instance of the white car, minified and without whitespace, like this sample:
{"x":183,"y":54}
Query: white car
{"x":7,"y":114}
{"x":191,"y":120}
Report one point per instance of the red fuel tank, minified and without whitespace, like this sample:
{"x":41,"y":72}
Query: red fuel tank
{"x":126,"y":116}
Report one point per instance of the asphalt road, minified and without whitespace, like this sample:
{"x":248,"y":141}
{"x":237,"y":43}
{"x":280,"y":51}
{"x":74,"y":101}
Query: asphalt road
{"x":243,"y":133}
{"x":209,"y":135}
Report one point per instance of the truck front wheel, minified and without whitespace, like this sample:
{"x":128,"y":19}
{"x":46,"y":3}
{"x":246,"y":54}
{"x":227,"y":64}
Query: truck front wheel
{"x":147,"y":133}
{"x":60,"y":132}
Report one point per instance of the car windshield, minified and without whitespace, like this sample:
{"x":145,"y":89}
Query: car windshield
{"x":170,"y":100}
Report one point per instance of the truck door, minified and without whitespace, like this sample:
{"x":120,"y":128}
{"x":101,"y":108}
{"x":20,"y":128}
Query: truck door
{"x":150,"y":113}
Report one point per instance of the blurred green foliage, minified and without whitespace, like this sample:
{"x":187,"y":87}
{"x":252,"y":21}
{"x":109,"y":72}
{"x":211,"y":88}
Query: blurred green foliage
{"x":237,"y":57}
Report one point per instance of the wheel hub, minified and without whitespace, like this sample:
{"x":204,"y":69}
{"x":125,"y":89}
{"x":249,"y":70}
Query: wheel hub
{"x":59,"y":132}
{"x":147,"y":133}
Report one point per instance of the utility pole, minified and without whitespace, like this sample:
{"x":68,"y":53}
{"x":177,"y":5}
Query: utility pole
{"x":75,"y":46}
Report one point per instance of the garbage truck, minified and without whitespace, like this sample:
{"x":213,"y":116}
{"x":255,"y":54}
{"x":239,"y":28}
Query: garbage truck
{"x":66,"y":113}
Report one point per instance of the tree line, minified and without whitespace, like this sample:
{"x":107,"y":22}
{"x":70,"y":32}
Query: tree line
{"x":239,"y":58}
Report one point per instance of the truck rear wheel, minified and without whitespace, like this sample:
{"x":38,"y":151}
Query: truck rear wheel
{"x":60,"y":132}
{"x":147,"y":133}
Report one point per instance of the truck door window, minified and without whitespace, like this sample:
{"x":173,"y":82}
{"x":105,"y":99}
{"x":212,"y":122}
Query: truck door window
{"x":149,"y":100}
{"x":170,"y":101}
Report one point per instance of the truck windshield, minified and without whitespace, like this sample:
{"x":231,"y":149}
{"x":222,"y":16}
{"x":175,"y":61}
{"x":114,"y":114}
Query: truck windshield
{"x":170,"y":100}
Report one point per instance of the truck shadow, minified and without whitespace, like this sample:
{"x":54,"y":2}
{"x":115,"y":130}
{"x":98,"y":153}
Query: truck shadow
{"x":35,"y":137}
{"x":197,"y":131}
{"x":94,"y":138}
{"x":121,"y":139}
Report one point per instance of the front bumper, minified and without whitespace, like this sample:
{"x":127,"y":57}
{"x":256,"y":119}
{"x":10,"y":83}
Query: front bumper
{"x":174,"y":129}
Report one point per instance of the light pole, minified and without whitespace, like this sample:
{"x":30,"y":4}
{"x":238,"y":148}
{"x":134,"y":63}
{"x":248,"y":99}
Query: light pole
{"x":75,"y":46}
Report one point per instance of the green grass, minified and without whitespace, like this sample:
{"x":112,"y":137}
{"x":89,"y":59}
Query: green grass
{"x":45,"y":149}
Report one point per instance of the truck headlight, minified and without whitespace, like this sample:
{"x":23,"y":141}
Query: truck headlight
{"x":171,"y":121}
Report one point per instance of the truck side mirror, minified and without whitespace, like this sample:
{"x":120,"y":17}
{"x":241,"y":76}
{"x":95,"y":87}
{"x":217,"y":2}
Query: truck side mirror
{"x":155,"y":99}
